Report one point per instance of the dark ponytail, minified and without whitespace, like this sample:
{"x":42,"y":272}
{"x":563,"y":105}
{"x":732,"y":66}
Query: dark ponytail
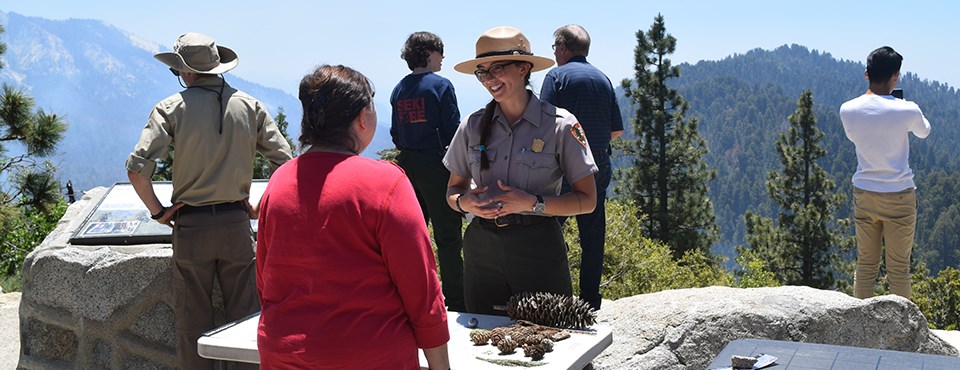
{"x":486,"y":125}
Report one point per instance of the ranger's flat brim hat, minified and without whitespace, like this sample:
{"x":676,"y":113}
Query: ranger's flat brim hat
{"x":198,"y":53}
{"x":503,"y":43}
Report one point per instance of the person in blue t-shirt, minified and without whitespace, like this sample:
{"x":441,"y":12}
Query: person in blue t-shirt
{"x":582,"y":89}
{"x":425,"y":117}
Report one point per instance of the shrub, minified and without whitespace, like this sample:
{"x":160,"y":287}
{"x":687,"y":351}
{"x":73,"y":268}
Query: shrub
{"x":633,"y":264}
{"x":25,"y":233}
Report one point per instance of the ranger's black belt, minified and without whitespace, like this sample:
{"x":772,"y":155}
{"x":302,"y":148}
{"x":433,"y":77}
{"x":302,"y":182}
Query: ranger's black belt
{"x":214,"y":208}
{"x":515,"y":220}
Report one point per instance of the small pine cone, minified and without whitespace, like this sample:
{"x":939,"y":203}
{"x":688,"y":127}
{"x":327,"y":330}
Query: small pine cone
{"x":497,"y":335}
{"x":480,"y":336}
{"x":547,"y":345}
{"x":534,"y":351}
{"x":519,"y":336}
{"x":526,"y":330}
{"x":507,"y":346}
{"x":535,"y":338}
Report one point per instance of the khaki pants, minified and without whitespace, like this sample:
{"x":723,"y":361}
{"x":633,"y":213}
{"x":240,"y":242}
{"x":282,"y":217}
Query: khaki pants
{"x":208,"y":244}
{"x":885,"y":225}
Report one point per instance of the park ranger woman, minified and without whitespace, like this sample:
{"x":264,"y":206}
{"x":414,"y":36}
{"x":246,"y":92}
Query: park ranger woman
{"x":516,"y":150}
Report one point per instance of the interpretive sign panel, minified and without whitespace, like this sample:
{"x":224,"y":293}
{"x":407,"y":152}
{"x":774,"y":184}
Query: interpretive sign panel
{"x":120,"y":218}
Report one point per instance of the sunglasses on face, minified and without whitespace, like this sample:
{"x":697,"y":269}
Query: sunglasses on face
{"x":494,"y":71}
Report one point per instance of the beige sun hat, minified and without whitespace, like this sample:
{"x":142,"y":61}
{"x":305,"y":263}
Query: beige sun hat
{"x":198,"y":53}
{"x":503,"y":43}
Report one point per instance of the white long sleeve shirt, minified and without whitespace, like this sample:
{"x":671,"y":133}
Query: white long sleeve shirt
{"x":879,"y":127}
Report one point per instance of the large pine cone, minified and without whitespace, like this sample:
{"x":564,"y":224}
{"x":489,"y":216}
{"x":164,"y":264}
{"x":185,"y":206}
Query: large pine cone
{"x":551,"y":310}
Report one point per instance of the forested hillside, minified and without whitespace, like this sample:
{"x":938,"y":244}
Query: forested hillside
{"x":743,"y":102}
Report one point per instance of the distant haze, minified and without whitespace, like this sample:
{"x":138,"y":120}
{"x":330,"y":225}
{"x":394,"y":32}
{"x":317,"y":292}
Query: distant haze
{"x":105,"y":82}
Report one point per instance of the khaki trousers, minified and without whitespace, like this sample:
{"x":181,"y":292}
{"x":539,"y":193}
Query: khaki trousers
{"x":885,"y":225}
{"x":208,"y":244}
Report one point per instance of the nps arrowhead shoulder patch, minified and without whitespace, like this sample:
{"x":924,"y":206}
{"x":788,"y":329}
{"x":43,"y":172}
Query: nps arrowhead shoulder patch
{"x":578,"y":134}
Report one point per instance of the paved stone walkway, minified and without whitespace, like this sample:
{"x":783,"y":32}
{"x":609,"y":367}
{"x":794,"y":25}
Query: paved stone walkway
{"x":9,"y":330}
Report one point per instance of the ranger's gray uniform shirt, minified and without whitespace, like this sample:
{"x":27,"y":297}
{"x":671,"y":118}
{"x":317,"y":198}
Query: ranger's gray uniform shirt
{"x":546,"y":145}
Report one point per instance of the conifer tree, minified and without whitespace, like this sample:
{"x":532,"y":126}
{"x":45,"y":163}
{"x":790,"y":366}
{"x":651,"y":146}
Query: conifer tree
{"x":668,"y":178}
{"x":261,"y":166}
{"x":802,"y":246}
{"x":30,"y":200}
{"x":28,"y":184}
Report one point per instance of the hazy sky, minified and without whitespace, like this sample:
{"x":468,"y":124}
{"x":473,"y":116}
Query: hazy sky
{"x":280,"y":41}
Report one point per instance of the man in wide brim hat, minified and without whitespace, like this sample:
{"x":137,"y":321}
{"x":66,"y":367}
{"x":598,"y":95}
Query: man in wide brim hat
{"x":503,"y":43}
{"x":219,"y":130}
{"x":198,"y":53}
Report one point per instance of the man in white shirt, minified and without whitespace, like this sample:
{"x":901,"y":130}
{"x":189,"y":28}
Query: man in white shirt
{"x":885,"y":202}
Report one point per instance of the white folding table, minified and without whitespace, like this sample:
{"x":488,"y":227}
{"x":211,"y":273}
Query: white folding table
{"x":237,"y":341}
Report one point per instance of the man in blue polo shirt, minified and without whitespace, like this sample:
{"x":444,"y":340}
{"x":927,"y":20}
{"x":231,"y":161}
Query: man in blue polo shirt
{"x":582,"y":89}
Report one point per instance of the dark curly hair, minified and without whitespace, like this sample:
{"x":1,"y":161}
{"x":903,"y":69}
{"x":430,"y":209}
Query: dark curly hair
{"x":332,"y":97}
{"x":418,"y":47}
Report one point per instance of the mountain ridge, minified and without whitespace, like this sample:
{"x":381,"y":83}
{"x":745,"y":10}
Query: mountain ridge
{"x":105,"y":81}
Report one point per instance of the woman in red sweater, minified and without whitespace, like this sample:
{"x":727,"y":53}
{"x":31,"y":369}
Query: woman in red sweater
{"x":345,"y":272}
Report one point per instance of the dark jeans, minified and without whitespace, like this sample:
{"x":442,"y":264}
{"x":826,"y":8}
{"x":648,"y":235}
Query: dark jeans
{"x":593,"y":232}
{"x":429,"y":178}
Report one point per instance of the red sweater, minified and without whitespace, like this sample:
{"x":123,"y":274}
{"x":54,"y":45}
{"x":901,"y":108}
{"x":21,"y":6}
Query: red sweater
{"x":345,"y":272}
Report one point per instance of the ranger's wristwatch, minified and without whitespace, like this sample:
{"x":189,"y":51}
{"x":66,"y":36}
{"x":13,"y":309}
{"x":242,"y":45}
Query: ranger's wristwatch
{"x":539,"y":207}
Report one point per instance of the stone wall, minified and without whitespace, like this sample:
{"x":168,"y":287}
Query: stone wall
{"x":96,"y":307}
{"x":685,"y":329}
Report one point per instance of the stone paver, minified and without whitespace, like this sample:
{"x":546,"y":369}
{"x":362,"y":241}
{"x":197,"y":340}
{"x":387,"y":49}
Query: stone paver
{"x":9,"y":330}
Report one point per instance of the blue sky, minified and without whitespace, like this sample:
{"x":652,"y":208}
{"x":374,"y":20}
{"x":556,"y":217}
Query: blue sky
{"x":280,"y":41}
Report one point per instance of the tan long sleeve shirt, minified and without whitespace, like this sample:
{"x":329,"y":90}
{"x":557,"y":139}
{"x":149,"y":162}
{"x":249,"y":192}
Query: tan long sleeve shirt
{"x":212,"y":164}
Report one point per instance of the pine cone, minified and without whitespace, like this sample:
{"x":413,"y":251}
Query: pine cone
{"x":497,"y":335}
{"x":534,"y":351}
{"x":534,"y":338}
{"x":480,"y":336}
{"x":547,"y":345}
{"x":507,"y":346}
{"x":520,"y":334}
{"x":551,"y":310}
